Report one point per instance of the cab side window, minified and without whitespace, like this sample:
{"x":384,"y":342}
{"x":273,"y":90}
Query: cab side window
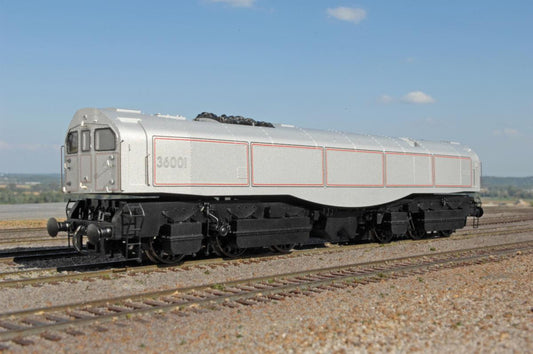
{"x":72,"y":142}
{"x":85,"y":140}
{"x":104,"y":140}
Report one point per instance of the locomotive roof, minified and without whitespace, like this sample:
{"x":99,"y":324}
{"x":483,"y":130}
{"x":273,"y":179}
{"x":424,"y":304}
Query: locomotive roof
{"x":127,"y":121}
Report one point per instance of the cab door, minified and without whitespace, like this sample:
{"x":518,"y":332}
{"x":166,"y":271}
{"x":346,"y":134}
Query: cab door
{"x":85,"y":161}
{"x":71,"y":163}
{"x":107,"y":161}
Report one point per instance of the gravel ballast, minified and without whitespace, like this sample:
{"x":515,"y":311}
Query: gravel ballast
{"x":16,"y":299}
{"x":476,"y":308}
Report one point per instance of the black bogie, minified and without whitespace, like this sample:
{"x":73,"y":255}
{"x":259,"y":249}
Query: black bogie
{"x":166,"y":230}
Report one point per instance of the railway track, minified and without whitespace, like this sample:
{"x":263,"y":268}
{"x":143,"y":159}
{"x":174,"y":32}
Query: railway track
{"x":486,"y":220}
{"x":46,"y":275}
{"x":109,"y":270}
{"x":21,"y":238}
{"x":17,"y":230}
{"x":32,"y":241}
{"x":495,"y":220}
{"x":117,"y":268}
{"x":11,"y":256}
{"x":17,"y":326}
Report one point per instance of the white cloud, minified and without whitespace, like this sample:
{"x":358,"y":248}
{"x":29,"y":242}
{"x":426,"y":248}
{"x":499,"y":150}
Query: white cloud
{"x":385,"y":99}
{"x":429,"y":121}
{"x":415,"y":97}
{"x":4,"y":145}
{"x":507,"y":132}
{"x":236,"y":3}
{"x":350,"y":14}
{"x":418,"y":97}
{"x":510,"y":132}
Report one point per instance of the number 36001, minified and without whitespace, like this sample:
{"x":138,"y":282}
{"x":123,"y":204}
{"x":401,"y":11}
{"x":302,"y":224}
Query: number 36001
{"x":171,"y":162}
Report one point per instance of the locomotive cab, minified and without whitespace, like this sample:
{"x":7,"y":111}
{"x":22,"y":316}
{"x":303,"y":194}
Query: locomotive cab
{"x":92,"y":159}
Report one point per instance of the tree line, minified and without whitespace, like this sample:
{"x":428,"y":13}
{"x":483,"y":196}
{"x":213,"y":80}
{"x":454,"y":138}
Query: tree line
{"x":14,"y":194}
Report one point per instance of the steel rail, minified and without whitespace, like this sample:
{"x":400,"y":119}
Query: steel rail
{"x":27,"y":252}
{"x":487,"y":219}
{"x":29,"y":239}
{"x":122,"y":265}
{"x":133,"y":269}
{"x":32,"y":240}
{"x":246,"y":291}
{"x":9,"y":256}
{"x":47,"y":239}
{"x":22,"y":230}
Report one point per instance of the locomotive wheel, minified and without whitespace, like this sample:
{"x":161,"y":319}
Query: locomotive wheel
{"x":416,"y":234}
{"x":381,"y":237}
{"x":157,"y":255}
{"x":445,"y":233}
{"x":227,"y":247}
{"x":287,"y":248}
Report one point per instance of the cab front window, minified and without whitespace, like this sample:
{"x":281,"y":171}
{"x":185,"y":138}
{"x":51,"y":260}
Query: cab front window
{"x":85,"y":140}
{"x":72,"y":142}
{"x":104,"y":140}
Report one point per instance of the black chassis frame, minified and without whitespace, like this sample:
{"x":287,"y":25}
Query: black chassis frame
{"x":186,"y":224}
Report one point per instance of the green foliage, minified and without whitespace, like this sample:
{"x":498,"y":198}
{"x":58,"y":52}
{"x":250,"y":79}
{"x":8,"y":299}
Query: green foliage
{"x":506,"y":192}
{"x":220,"y":287}
{"x":507,"y":187}
{"x":29,"y":188}
{"x":519,"y":182}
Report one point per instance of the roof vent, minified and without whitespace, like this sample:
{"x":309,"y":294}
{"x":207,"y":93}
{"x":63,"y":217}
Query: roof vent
{"x":178,"y":117}
{"x":411,"y":142}
{"x":128,"y":110}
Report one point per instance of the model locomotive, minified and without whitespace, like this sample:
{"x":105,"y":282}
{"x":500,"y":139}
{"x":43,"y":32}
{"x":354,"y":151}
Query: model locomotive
{"x":163,"y":187}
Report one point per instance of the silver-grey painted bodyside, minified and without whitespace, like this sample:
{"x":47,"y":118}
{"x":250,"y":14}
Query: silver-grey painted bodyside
{"x":169,"y":155}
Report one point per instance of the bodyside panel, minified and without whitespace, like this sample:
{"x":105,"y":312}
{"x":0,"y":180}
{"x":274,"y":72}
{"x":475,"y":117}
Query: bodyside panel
{"x":354,"y":168}
{"x":287,"y":165}
{"x":199,"y":162}
{"x":453,"y":171}
{"x":409,"y":170}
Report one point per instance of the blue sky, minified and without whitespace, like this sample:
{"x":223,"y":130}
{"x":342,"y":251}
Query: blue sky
{"x":439,"y":70}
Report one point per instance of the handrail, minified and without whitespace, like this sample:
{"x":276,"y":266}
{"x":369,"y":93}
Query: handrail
{"x":62,"y":170}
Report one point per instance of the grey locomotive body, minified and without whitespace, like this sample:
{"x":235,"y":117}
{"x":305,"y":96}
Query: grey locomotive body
{"x":167,"y":187}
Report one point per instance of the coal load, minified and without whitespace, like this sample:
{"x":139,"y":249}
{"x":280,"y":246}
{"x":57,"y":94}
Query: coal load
{"x":232,"y":120}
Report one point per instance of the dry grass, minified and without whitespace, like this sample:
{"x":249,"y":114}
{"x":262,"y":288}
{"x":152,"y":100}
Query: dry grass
{"x":12,"y":224}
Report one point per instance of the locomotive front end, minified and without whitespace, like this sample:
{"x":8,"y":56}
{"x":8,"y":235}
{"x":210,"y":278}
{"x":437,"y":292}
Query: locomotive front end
{"x":90,"y":173}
